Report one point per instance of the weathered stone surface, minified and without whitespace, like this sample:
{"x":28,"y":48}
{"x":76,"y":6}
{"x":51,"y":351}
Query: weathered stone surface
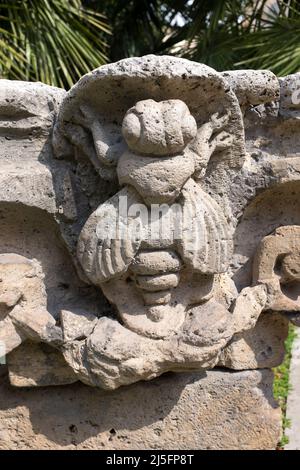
{"x":33,"y":364}
{"x":10,"y":337}
{"x":253,"y":87}
{"x":150,"y":223}
{"x":163,"y":128}
{"x":118,"y":356}
{"x":118,"y":87}
{"x":289,"y":96}
{"x":162,"y":150}
{"x":248,"y":307}
{"x":22,"y":299}
{"x":163,"y":143}
{"x":27,"y":114}
{"x":277,"y":265}
{"x":51,"y":280}
{"x":77,"y":324}
{"x":216,"y":410}
{"x":260,"y":347}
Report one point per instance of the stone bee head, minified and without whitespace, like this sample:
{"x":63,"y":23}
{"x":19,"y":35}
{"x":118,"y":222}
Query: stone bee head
{"x":158,"y":128}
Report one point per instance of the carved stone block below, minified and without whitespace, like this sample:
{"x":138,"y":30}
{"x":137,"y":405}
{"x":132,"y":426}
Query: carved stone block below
{"x":37,"y":364}
{"x":213,"y":410}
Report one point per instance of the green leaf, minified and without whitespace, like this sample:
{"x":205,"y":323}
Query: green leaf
{"x":54,"y":41}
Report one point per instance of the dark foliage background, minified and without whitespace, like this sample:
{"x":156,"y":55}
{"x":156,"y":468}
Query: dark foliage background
{"x":57,"y":41}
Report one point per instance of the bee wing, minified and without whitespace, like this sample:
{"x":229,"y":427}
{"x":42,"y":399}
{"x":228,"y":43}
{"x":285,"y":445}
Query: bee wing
{"x":205,"y":242}
{"x":110,"y":240}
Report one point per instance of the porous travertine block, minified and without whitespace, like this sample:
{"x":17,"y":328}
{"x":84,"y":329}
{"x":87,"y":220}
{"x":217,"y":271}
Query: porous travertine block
{"x":214,"y":410}
{"x":149,"y":225}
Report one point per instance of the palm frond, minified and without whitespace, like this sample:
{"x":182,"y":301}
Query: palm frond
{"x":276,"y":45}
{"x":54,"y":41}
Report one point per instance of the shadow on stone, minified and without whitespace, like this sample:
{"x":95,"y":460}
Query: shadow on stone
{"x":217,"y":410}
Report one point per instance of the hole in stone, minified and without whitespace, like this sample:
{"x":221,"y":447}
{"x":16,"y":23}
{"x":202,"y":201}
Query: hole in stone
{"x":73,"y":428}
{"x":112,"y":433}
{"x":278,"y":265}
{"x":63,"y":285}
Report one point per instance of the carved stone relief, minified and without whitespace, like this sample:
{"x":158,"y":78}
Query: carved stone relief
{"x":161,"y":176}
{"x":276,"y":265}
